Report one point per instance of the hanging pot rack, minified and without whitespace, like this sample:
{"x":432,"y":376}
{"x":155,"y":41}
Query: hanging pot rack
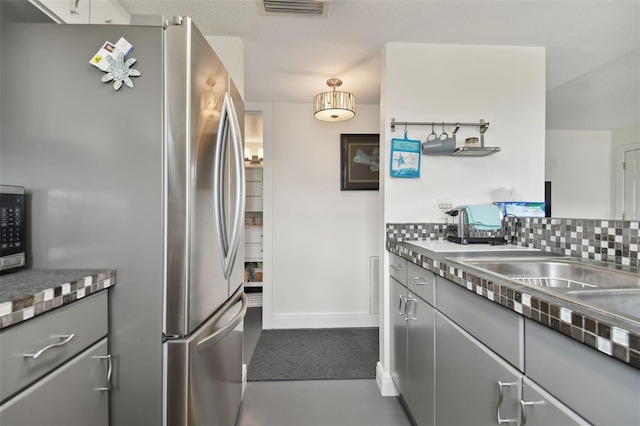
{"x":469,"y":151}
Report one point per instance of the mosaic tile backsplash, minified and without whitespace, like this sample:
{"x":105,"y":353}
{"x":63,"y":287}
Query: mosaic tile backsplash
{"x":614,"y":241}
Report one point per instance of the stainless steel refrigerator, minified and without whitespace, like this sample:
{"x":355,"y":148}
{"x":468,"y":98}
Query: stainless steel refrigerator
{"x":149,"y":181}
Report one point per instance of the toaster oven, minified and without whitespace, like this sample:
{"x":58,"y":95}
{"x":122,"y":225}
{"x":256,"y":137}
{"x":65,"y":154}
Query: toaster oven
{"x":12,"y":229}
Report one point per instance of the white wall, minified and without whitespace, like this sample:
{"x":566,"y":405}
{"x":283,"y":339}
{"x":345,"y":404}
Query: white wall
{"x":502,"y":85}
{"x":578,"y":164}
{"x":231,"y":52}
{"x":322,"y":236}
{"x":452,"y":83}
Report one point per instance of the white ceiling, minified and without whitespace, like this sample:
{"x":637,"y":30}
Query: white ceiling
{"x":593,"y":47}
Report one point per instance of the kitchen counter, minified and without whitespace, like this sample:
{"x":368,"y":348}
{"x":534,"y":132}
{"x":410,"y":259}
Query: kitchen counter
{"x":25,"y":294}
{"x":613,"y":335}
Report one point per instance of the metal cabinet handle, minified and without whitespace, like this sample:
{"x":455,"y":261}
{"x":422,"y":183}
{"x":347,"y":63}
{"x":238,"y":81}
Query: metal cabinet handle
{"x":109,"y":371}
{"x":74,"y":8}
{"x":407,"y":313}
{"x":502,"y":385}
{"x":524,"y":405}
{"x":419,"y":281}
{"x":396,"y":267}
{"x":214,"y":338}
{"x":66,"y":338}
{"x":402,"y":298}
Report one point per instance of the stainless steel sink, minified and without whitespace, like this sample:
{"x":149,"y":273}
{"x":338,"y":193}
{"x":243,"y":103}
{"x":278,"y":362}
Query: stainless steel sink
{"x":613,"y":289}
{"x":623,"y":301}
{"x":559,"y":273}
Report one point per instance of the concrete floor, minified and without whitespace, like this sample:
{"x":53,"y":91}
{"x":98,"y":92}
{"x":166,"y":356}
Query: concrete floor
{"x":313,"y":402}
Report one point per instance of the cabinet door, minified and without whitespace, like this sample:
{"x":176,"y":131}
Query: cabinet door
{"x":70,"y":395}
{"x":421,"y":361}
{"x":253,"y":252}
{"x":68,"y":11}
{"x":108,"y":12}
{"x":540,"y":408}
{"x":397,"y":301}
{"x":599,"y":388}
{"x":253,"y":204}
{"x":468,"y":376}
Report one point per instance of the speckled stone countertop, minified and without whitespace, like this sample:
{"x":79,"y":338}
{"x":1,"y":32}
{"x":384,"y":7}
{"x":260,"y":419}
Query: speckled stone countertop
{"x":25,"y":294}
{"x":610,"y":334}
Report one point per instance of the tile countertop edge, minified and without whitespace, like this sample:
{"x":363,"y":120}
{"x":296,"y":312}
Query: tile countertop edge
{"x":44,"y":300}
{"x":616,"y":337}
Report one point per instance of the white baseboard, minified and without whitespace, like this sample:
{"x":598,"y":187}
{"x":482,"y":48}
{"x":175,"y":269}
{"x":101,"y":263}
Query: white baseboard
{"x":244,"y":379}
{"x":325,"y":320}
{"x":385,"y":382}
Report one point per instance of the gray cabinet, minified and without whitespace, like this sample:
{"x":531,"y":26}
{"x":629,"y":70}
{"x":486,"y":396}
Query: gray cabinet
{"x":474,"y":385}
{"x":399,"y":335}
{"x":74,"y":394}
{"x":412,"y":341}
{"x":421,"y":381}
{"x":539,"y":408}
{"x":473,"y":362}
{"x":601,"y":390}
{"x":502,"y":330}
{"x":56,"y":367}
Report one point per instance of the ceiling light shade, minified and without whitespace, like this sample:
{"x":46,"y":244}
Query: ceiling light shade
{"x":334,"y":105}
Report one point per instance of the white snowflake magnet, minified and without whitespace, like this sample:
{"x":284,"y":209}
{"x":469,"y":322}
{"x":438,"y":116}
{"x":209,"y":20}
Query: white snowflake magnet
{"x":119,"y":71}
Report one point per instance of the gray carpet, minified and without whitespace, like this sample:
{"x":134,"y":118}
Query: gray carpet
{"x":315,"y":354}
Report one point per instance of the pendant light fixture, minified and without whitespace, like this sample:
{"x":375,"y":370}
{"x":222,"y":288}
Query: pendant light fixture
{"x":334,"y":105}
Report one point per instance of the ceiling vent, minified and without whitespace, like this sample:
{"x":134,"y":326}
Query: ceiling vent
{"x":296,"y":7}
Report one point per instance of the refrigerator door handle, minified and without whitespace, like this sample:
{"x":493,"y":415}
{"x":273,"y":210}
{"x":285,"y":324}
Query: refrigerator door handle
{"x":218,"y":182}
{"x":214,"y":338}
{"x":228,"y":127}
{"x":238,"y":150}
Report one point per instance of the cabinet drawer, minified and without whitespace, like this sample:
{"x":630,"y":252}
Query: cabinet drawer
{"x":86,"y":320}
{"x":497,"y":327}
{"x":253,"y":174}
{"x":599,"y":388}
{"x":253,"y":251}
{"x":421,"y":282}
{"x":253,"y":235}
{"x":68,"y":396}
{"x":253,"y":189}
{"x":253,"y":204}
{"x":398,"y":268}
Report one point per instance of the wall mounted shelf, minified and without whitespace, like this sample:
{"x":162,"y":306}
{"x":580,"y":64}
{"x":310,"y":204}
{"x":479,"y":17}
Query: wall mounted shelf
{"x":463,"y":151}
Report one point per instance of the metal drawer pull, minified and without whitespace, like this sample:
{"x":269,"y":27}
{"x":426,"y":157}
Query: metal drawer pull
{"x":524,"y":405}
{"x":501,"y":385}
{"x":109,"y":371}
{"x":74,"y":8}
{"x":407,"y":313}
{"x":402,"y":299}
{"x":65,"y":339}
{"x":396,"y":267}
{"x":419,"y":281}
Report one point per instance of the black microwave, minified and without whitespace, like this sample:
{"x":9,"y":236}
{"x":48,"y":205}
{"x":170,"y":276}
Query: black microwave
{"x":12,"y":227}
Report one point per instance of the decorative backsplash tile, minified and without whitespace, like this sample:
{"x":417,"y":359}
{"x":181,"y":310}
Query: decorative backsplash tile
{"x":614,"y":241}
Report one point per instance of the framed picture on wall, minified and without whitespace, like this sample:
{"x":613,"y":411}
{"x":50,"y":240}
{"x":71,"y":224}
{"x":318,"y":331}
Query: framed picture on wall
{"x":359,"y":161}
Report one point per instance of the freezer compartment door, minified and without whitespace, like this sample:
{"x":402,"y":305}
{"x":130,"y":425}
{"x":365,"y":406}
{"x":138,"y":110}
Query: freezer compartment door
{"x":204,"y":371}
